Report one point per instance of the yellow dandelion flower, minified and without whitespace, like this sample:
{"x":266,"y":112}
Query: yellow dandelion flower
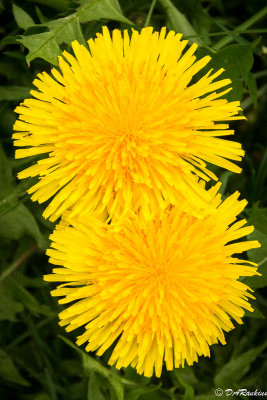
{"x":123,"y":125}
{"x":160,"y":290}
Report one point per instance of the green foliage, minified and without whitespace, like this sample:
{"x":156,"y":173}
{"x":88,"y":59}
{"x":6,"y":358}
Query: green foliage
{"x":37,"y":361}
{"x":64,"y":30}
{"x":22,"y":19}
{"x":238,"y":367}
{"x":15,"y":217}
{"x":178,"y":21}
{"x":10,"y":93}
{"x":9,"y":372}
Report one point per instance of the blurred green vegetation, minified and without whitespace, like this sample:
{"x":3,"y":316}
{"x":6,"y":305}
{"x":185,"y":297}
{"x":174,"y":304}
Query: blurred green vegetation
{"x":37,"y":359}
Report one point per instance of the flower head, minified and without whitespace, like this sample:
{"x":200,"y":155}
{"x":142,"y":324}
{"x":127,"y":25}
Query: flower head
{"x":122,"y":126}
{"x":161,"y":290}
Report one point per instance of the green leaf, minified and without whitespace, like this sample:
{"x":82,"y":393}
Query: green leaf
{"x":19,"y":220}
{"x":60,"y":5}
{"x":42,"y":45}
{"x":255,"y":314}
{"x":101,"y":9}
{"x":94,"y":391}
{"x":257,"y":282}
{"x":259,"y":181}
{"x":8,"y":69}
{"x":179,"y":22}
{"x":66,"y":30}
{"x":50,"y":384}
{"x":9,"y":372}
{"x":8,"y":195}
{"x":238,"y":367}
{"x":15,"y":218}
{"x":258,"y":218}
{"x":22,"y":295}
{"x":42,"y":396}
{"x":40,"y":15}
{"x":135,"y":393}
{"x":10,"y":93}
{"x":91,"y":365}
{"x":23,"y":19}
{"x":189,"y":390}
{"x":252,"y":88}
{"x":208,"y":396}
{"x":117,"y":385}
{"x":224,"y":178}
{"x":237,"y":60}
{"x":46,"y":45}
{"x":8,"y":307}
{"x":6,"y":178}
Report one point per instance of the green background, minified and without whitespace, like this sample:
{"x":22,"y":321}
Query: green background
{"x":38,"y":360}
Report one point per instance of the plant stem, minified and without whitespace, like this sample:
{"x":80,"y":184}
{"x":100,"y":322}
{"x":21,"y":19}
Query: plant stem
{"x":26,"y":334}
{"x":260,"y":74}
{"x":150,"y":11}
{"x":17,"y":263}
{"x":247,"y":102}
{"x":225,"y":32}
{"x":252,"y":20}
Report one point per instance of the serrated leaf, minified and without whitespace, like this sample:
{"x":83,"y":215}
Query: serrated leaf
{"x":9,"y":372}
{"x":10,"y":93}
{"x":42,"y":45}
{"x":179,"y":22}
{"x":100,"y":9}
{"x":46,"y":45}
{"x":238,"y":367}
{"x":23,"y":19}
{"x":69,"y":31}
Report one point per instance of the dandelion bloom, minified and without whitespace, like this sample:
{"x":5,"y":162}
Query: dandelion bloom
{"x":125,"y":126}
{"x":160,"y":290}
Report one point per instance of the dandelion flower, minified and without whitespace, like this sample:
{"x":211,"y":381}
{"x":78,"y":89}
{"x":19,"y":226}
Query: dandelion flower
{"x":160,"y":290}
{"x":123,"y":126}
